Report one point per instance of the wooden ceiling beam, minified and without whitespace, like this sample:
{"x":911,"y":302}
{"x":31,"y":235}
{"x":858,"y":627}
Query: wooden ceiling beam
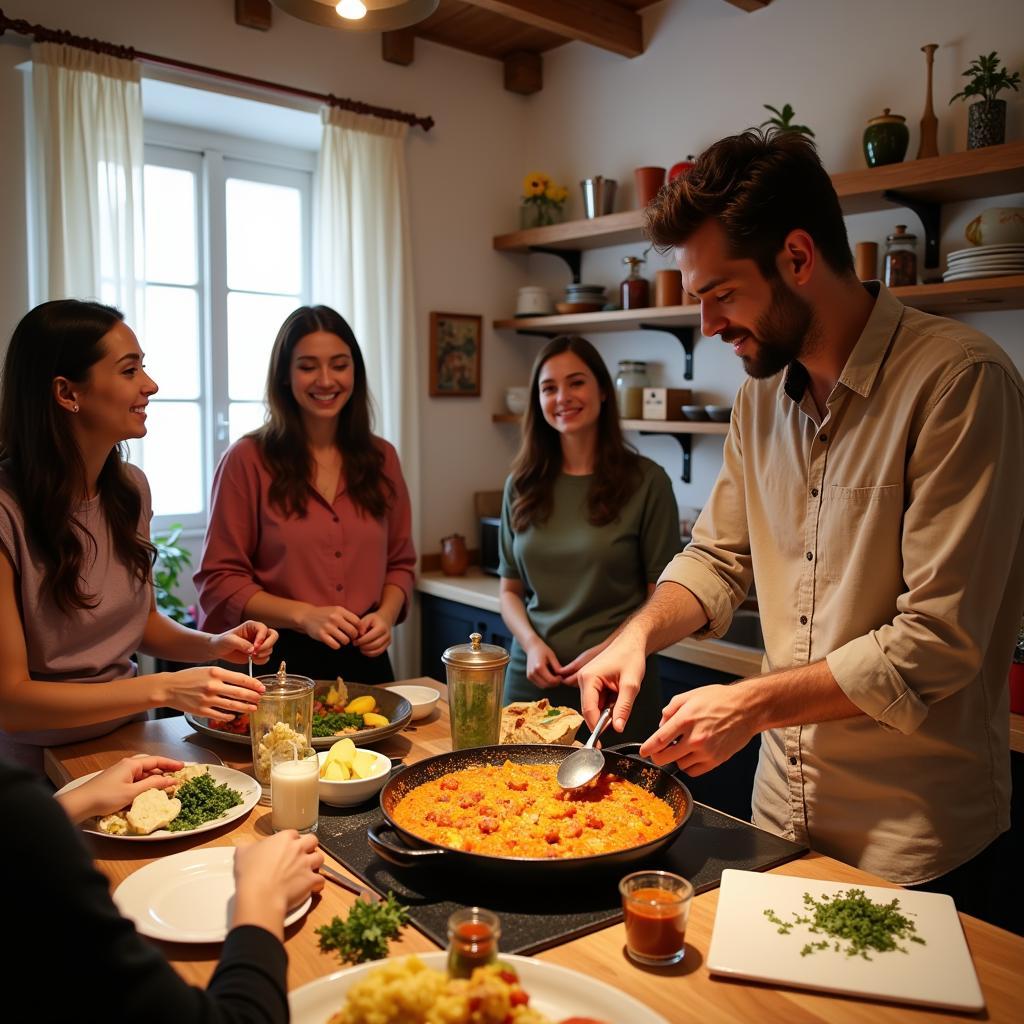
{"x":749,"y":5}
{"x":601,"y":23}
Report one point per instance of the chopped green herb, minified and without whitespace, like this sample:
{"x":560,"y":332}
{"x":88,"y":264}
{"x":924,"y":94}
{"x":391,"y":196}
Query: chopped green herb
{"x":367,"y":931}
{"x":553,"y":713}
{"x":202,"y":800}
{"x":333,"y":722}
{"x":854,"y":919}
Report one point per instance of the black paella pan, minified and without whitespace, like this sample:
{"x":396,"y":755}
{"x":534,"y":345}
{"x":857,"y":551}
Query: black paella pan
{"x":409,"y":850}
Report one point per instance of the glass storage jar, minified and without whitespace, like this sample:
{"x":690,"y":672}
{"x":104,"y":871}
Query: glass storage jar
{"x":630,"y":381}
{"x":283,"y":716}
{"x":634,"y":291}
{"x":476,"y":678}
{"x":900,"y":258}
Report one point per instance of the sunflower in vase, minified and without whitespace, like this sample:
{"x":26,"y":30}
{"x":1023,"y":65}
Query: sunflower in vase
{"x":543,"y":201}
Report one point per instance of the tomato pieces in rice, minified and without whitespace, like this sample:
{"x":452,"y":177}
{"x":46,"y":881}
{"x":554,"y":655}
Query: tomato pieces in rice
{"x":519,"y":810}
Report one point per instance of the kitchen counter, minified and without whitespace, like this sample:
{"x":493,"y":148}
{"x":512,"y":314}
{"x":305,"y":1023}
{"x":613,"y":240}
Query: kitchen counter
{"x":480,"y":590}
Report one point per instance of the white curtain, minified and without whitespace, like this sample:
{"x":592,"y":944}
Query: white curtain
{"x":362,"y":267}
{"x":88,"y":175}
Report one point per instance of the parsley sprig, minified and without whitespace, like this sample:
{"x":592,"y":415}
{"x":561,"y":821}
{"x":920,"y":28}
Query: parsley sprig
{"x":367,"y":931}
{"x":202,"y":800}
{"x":854,"y":919}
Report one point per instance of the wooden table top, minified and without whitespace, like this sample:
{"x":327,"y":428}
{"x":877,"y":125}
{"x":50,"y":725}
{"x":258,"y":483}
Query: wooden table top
{"x":685,"y":991}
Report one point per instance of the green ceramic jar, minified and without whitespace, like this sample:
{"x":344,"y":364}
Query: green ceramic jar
{"x":885,"y":139}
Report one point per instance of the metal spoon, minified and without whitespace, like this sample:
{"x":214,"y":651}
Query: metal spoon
{"x":584,"y":765}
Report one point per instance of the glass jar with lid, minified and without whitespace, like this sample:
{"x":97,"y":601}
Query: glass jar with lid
{"x":630,"y":381}
{"x":283,"y":717}
{"x":476,"y":677}
{"x":900,"y":258}
{"x":634,"y":291}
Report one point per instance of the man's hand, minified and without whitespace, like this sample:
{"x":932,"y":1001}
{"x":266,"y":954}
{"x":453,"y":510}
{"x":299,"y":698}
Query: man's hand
{"x":702,"y":728}
{"x":615,"y":674}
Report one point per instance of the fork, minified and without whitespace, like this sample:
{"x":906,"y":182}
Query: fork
{"x":346,"y":883}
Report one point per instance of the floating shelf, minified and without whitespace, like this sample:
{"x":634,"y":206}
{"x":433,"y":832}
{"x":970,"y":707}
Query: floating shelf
{"x":645,"y":426}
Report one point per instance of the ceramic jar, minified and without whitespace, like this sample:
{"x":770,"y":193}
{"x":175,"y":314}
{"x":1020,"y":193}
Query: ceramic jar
{"x":454,"y":556}
{"x":885,"y":139}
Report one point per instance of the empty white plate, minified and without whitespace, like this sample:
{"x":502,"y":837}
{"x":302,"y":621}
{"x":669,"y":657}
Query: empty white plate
{"x":986,"y":250}
{"x":186,"y":897}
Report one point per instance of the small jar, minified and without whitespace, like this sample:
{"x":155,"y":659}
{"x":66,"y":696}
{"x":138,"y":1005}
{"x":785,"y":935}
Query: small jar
{"x":473,"y":935}
{"x":900,"y":258}
{"x":283,"y":716}
{"x":635,"y":291}
{"x":630,"y":382}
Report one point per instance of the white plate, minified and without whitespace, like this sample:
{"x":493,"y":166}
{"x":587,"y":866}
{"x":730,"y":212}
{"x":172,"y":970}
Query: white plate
{"x":986,"y":250}
{"x":983,"y":261}
{"x":745,"y":944}
{"x":245,"y":784}
{"x":554,"y":991}
{"x":967,"y":275}
{"x":186,"y":897}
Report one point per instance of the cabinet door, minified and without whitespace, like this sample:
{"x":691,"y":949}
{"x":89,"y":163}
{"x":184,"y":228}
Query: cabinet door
{"x":443,"y":624}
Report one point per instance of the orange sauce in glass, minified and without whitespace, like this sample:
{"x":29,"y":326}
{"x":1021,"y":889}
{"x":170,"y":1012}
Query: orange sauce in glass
{"x":655,"y":923}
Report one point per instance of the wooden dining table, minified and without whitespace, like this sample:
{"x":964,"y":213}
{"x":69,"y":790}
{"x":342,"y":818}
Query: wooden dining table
{"x":684,"y":992}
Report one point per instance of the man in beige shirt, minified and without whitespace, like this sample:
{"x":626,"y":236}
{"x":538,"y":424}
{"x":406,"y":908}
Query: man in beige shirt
{"x":871,"y":485}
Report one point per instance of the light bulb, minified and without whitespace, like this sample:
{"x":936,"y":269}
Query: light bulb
{"x":351,"y":9}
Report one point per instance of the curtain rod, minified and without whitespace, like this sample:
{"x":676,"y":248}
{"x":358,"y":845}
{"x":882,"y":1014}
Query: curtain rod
{"x":41,"y":34}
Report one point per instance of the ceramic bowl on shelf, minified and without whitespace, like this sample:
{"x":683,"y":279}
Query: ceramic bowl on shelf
{"x":719,"y":413}
{"x":694,"y":412}
{"x":348,"y":792}
{"x":516,"y":401}
{"x":578,"y":307}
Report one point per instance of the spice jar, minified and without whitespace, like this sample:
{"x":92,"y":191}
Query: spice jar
{"x":634,"y":292}
{"x":476,"y":677}
{"x":630,"y":382}
{"x":283,"y":716}
{"x":473,"y":935}
{"x":900,"y":258}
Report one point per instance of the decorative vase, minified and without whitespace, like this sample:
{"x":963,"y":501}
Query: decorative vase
{"x":929,"y":145}
{"x":648,"y":181}
{"x":986,"y":123}
{"x":539,"y":215}
{"x":454,"y":556}
{"x":885,"y":139}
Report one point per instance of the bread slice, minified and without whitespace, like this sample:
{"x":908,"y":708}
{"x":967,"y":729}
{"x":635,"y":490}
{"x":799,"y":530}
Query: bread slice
{"x":182,"y":775}
{"x":538,"y":722}
{"x":151,"y":810}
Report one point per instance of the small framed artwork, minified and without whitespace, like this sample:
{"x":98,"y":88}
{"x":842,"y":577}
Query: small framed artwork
{"x":455,"y":355}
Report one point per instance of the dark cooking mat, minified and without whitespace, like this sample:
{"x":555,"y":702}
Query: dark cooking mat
{"x":536,"y":915}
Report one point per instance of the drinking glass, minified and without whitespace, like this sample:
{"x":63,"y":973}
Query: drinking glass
{"x":657,"y":906}
{"x":294,"y":789}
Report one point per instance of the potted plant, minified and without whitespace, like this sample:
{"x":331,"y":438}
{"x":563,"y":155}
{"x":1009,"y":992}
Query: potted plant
{"x":986,"y":119}
{"x":783,"y":120}
{"x":171,"y":560}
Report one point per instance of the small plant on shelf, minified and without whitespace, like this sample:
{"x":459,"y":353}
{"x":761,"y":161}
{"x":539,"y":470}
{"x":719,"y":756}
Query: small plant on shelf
{"x":986,"y":119}
{"x":783,"y":120}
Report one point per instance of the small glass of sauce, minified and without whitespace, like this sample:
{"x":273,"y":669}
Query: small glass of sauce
{"x":657,"y":906}
{"x":473,"y":935}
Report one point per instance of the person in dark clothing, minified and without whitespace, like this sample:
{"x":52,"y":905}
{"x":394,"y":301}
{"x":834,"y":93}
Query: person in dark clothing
{"x":100,"y":968}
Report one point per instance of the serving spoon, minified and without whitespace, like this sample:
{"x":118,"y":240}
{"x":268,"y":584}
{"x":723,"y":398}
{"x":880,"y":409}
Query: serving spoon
{"x":584,"y":765}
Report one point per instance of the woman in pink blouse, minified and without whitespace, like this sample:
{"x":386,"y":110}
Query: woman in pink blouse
{"x":310,"y":523}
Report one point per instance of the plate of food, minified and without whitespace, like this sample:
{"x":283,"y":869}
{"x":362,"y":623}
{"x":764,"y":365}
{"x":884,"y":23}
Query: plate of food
{"x":186,"y":897}
{"x":538,"y":721}
{"x":407,"y":988}
{"x":206,"y":797}
{"x":365,"y":714}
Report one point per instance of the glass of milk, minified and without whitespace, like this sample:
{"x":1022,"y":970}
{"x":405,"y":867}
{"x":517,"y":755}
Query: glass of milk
{"x":294,"y":789}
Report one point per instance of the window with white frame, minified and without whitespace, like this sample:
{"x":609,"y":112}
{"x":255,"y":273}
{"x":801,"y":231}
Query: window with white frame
{"x":227,"y":259}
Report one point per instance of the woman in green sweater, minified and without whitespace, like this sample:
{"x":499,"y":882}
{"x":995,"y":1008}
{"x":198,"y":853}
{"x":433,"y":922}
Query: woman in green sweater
{"x":587,"y":525}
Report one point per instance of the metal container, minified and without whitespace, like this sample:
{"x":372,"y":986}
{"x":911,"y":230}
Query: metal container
{"x":598,"y":196}
{"x":476,"y":678}
{"x":283,"y":715}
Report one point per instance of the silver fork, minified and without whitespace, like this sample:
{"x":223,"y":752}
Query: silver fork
{"x":346,"y":883}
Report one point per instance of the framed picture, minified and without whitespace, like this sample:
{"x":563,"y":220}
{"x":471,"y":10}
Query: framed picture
{"x":455,"y":355}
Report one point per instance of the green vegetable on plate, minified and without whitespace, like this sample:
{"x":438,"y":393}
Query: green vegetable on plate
{"x":367,"y":931}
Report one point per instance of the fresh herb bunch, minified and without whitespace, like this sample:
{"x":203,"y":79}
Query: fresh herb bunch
{"x":783,"y":120}
{"x":202,"y":800}
{"x":987,"y":79}
{"x":331,"y":723}
{"x":851,"y":917}
{"x":367,"y":931}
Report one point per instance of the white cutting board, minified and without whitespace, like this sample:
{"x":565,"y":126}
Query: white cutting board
{"x":745,"y":944}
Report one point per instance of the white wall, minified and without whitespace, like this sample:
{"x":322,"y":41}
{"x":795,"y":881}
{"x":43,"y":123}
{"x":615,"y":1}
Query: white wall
{"x":707,"y":71}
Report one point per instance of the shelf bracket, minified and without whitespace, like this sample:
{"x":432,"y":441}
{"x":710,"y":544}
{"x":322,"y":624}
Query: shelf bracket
{"x":685,"y":443}
{"x":684,"y":335}
{"x":574,"y":257}
{"x":930,"y":219}
{"x":538,"y":334}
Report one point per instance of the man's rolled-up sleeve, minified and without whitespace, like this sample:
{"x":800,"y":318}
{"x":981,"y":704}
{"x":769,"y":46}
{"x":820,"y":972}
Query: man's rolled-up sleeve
{"x":963,"y":520}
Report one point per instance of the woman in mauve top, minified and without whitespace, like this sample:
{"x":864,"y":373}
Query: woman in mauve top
{"x":310,"y":521}
{"x":587,"y":526}
{"x":76,"y":597}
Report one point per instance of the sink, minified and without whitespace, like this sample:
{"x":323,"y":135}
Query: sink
{"x":745,"y":630}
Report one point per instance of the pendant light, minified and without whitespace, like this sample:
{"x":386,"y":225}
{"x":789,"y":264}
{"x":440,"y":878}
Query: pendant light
{"x":360,"y":15}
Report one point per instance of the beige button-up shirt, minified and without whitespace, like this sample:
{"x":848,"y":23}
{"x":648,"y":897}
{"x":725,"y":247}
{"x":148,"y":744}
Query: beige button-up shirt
{"x":887,"y":539}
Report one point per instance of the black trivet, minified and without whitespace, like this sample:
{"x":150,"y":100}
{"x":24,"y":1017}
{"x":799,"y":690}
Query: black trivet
{"x":535,"y":916}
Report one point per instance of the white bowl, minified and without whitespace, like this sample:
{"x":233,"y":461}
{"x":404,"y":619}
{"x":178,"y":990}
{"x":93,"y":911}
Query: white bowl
{"x":516,"y":401}
{"x":719,"y":413}
{"x":354,"y":791}
{"x":422,"y":698}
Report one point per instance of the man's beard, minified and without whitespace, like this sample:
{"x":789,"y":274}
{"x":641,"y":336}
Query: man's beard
{"x":781,"y":335}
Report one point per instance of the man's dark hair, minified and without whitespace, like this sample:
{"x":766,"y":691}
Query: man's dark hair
{"x":759,"y":186}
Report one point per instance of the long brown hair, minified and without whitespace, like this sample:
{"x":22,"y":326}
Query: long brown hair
{"x":539,"y":460}
{"x":64,"y":339}
{"x":282,"y":439}
{"x":759,"y":186}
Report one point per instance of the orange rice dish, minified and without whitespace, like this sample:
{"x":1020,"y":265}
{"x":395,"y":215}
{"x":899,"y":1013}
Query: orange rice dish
{"x":519,"y":810}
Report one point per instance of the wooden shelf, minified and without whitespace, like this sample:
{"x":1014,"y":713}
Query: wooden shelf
{"x":647,"y":426}
{"x":506,"y":417}
{"x":972,"y":174}
{"x":618,"y":320}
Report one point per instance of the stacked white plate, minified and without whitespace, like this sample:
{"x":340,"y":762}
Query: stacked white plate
{"x":985,"y":261}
